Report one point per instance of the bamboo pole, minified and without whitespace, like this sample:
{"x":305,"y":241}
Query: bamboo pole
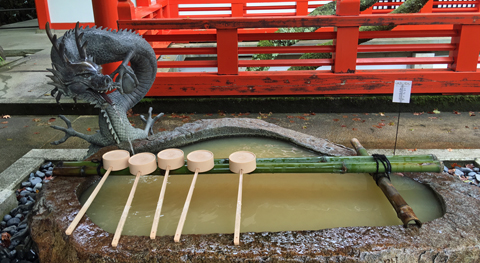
{"x":327,"y":167}
{"x":315,"y":159}
{"x":404,"y":211}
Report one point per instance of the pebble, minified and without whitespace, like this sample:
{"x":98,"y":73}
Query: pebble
{"x":32,"y":175}
{"x":24,"y":193}
{"x":465,"y":169}
{"x":35,"y":180}
{"x":29,"y":189}
{"x":25,"y":184}
{"x":16,"y":210}
{"x":7,"y":217}
{"x":13,"y":221}
{"x":458,"y":172}
{"x":46,"y":165}
{"x":38,"y":186}
{"x":23,"y":200}
{"x":472,"y":174}
{"x":20,"y":235}
{"x":19,"y":215}
{"x":49,"y":173}
{"x":10,"y":229}
{"x":476,"y":169}
{"x":39,"y":174}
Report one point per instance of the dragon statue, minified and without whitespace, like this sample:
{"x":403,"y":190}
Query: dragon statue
{"x":76,"y":59}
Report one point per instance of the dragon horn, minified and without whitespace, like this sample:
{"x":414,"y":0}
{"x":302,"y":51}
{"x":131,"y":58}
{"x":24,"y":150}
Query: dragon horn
{"x":52,"y":37}
{"x":82,"y":49}
{"x":59,"y":48}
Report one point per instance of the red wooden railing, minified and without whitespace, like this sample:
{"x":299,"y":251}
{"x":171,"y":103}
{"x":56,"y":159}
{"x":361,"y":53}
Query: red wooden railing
{"x":460,"y":76}
{"x":239,"y":8}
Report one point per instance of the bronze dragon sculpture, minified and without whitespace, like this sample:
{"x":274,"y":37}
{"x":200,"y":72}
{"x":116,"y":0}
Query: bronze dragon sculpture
{"x":76,"y":59}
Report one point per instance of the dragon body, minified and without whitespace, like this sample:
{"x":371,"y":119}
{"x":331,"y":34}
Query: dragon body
{"x":76,"y":59}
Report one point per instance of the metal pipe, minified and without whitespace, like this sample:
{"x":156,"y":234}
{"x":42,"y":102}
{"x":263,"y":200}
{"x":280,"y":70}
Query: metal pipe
{"x":404,"y":211}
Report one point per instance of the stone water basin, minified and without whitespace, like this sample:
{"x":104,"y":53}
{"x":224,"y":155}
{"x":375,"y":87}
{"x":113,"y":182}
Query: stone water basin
{"x":453,"y":237}
{"x":271,"y":202}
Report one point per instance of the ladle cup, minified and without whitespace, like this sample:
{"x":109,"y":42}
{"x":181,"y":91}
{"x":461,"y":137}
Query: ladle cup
{"x":115,"y":160}
{"x":168,"y":159}
{"x":139,"y":164}
{"x":241,"y":162}
{"x":197,"y":161}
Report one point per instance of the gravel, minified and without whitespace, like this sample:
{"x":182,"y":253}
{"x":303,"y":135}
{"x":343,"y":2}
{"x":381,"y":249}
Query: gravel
{"x":16,"y":244}
{"x":468,"y":174}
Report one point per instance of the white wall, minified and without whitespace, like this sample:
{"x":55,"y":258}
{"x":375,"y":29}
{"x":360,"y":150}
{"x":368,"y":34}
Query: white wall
{"x":71,"y":11}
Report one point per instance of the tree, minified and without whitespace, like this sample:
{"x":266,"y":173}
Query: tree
{"x":409,"y":6}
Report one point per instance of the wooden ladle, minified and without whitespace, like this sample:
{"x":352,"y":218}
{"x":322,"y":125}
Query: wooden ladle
{"x":241,"y":162}
{"x":168,"y":159}
{"x":198,"y":161}
{"x":114,"y":161}
{"x":139,"y":164}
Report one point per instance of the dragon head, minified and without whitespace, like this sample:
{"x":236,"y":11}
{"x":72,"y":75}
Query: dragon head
{"x":78,"y":78}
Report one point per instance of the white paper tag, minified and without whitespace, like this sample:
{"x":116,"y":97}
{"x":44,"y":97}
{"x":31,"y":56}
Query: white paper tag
{"x":402,"y":91}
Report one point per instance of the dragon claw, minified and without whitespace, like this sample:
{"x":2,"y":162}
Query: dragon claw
{"x":69,"y":131}
{"x":120,"y":72}
{"x":150,"y":121}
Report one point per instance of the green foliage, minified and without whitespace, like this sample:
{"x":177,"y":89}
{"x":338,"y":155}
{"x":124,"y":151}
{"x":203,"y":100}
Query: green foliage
{"x":409,"y":6}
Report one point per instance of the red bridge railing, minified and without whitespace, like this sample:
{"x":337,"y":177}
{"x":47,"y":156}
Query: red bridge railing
{"x":223,"y":52}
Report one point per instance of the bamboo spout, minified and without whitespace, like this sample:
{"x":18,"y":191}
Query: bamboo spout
{"x":404,"y":211}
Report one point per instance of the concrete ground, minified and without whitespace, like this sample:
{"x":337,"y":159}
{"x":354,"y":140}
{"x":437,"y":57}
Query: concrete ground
{"x":23,"y":82}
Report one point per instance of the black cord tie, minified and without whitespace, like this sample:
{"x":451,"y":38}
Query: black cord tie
{"x":100,"y":162}
{"x":386,"y":164}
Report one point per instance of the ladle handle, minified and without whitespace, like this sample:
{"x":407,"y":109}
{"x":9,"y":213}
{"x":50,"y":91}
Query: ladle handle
{"x":87,"y":204}
{"x":153,"y":233}
{"x":238,"y":215}
{"x":181,"y":222}
{"x":123,"y":218}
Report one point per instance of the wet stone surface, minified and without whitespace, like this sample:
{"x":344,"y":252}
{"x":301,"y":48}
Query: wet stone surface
{"x":450,"y":238}
{"x":453,"y":237}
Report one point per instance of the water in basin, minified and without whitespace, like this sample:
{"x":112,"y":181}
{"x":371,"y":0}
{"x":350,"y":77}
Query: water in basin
{"x":271,"y":202}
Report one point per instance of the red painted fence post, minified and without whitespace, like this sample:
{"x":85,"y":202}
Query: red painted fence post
{"x":227,"y":51}
{"x":302,"y":8}
{"x":126,"y":10}
{"x":346,"y":43}
{"x":104,"y":13}
{"x":238,"y":10}
{"x":143,"y":2}
{"x":43,"y":14}
{"x":172,"y":9}
{"x":465,"y":55}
